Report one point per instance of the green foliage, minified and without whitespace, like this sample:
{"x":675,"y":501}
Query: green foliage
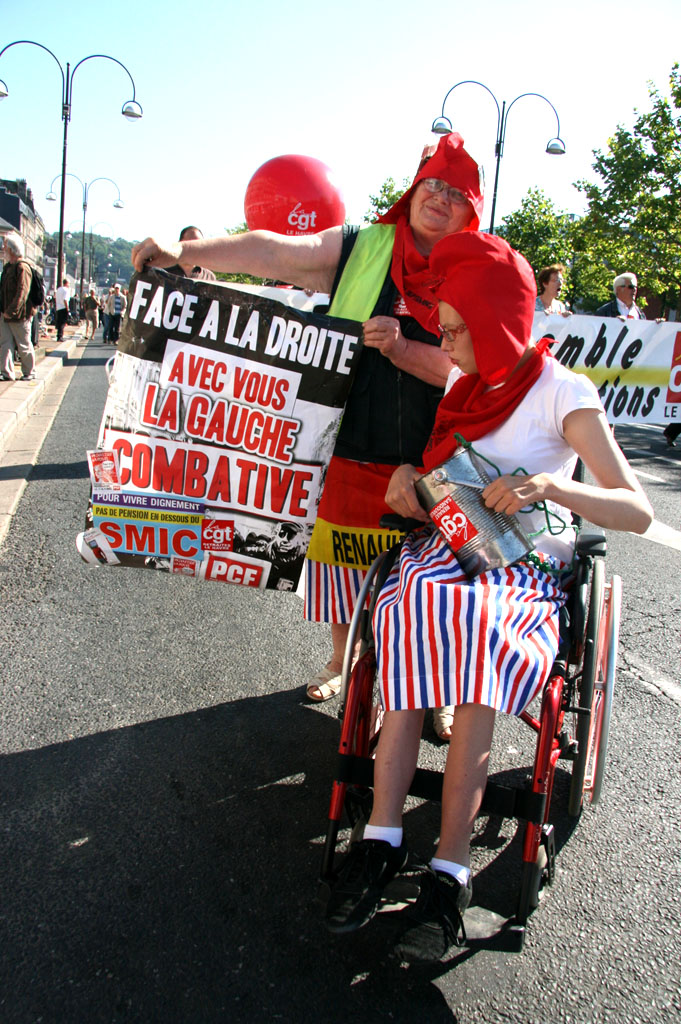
{"x":634,"y":215}
{"x":546,"y":235}
{"x":388,"y":194}
{"x":539,"y":231}
{"x":120,"y":269}
{"x":633,"y":220}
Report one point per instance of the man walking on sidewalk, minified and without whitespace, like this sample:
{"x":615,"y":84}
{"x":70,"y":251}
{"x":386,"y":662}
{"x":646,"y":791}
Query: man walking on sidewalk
{"x":115,"y":306}
{"x":62,"y":297}
{"x":15,"y":320}
{"x":91,"y":307}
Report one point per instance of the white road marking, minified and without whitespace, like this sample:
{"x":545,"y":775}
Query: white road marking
{"x":654,"y":680}
{"x":661,"y":534}
{"x":650,"y":476}
{"x":650,"y":455}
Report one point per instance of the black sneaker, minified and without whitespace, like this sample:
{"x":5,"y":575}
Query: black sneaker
{"x":366,"y":870}
{"x":435,"y":922}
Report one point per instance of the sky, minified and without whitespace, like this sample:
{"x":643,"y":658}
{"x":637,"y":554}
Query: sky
{"x":226,"y":86}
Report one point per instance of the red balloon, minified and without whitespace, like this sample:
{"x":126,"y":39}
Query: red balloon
{"x":293,"y":195}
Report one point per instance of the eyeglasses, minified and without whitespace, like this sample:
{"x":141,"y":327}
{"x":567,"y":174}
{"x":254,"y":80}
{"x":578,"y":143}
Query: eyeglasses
{"x":449,"y":333}
{"x":435,"y":185}
{"x":632,"y":286}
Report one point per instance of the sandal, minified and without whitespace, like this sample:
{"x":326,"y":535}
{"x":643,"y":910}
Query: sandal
{"x":443,"y":719}
{"x":325,"y":685}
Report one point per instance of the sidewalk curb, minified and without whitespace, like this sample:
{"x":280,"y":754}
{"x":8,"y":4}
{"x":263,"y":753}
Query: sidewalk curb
{"x":19,"y":401}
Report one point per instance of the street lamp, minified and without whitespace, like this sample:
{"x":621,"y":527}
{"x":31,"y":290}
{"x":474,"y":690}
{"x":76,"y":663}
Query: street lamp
{"x":554,"y":147}
{"x":131,"y":110}
{"x":118,"y":204}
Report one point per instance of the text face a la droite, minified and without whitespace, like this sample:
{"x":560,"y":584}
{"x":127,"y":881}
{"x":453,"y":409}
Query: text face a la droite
{"x":289,"y":339}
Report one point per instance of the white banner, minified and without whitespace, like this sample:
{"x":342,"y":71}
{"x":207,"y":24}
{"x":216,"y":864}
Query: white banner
{"x":635,"y":364}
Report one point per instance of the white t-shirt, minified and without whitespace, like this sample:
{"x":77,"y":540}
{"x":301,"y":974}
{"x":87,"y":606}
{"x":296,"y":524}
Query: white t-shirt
{"x":532,"y":439}
{"x":62,"y":296}
{"x":628,"y":312}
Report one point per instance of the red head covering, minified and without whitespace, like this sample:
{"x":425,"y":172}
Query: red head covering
{"x":492,"y":287}
{"x":451,"y":163}
{"x":409,"y":269}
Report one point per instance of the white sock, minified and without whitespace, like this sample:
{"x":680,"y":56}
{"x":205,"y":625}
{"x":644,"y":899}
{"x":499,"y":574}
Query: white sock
{"x":450,"y":867}
{"x":388,"y":835}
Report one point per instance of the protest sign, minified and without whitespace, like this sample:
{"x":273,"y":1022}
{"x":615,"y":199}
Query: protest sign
{"x":635,"y":364}
{"x":221,"y":417}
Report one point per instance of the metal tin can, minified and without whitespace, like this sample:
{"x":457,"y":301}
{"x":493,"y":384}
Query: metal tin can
{"x":480,"y":538}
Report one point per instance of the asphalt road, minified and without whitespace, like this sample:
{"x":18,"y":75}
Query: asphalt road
{"x":164,"y":790}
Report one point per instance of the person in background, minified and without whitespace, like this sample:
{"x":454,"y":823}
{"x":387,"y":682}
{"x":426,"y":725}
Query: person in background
{"x":188,"y":234}
{"x":671,"y":433}
{"x":550,"y":285}
{"x":16,"y":316}
{"x":623,"y":305}
{"x":104,"y":316}
{"x":91,"y":307}
{"x":62,"y":299}
{"x":485,"y":644}
{"x":116,"y":305}
{"x":36,"y":326}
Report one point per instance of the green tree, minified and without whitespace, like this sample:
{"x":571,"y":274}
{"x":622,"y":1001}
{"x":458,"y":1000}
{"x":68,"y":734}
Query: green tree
{"x":634,"y":214}
{"x":546,"y":235}
{"x":539,"y":231}
{"x":110,"y":256}
{"x":388,"y":194}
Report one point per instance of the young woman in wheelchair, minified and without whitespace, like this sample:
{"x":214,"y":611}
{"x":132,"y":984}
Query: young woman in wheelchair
{"x":483,"y":645}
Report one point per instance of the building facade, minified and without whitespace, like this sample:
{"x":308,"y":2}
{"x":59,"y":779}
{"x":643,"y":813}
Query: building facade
{"x":17,"y":213}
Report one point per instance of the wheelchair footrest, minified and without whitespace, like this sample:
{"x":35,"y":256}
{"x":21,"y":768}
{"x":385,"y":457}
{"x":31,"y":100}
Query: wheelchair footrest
{"x":506,"y":801}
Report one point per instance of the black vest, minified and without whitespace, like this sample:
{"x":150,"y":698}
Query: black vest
{"x":389,"y":414}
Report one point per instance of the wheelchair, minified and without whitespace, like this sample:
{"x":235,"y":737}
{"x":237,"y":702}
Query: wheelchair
{"x":572,"y":725}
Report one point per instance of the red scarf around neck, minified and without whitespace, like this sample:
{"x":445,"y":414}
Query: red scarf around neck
{"x":472,"y":409}
{"x":412,"y":276}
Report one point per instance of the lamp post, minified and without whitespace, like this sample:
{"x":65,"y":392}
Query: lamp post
{"x":90,"y":260}
{"x":443,"y":126}
{"x":131,"y":110}
{"x":118,"y":205}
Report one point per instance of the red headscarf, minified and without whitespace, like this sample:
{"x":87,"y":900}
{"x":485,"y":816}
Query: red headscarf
{"x":410,"y":272}
{"x":492,"y":287}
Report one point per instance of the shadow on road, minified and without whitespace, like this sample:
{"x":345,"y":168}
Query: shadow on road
{"x":147,"y":876}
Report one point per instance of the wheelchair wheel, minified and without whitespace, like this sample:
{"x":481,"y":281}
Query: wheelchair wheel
{"x":603,"y":692}
{"x":590,"y":668}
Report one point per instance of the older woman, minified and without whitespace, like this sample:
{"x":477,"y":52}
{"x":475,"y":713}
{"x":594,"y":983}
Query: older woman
{"x":378,"y":275}
{"x":485,"y":645}
{"x":550,"y":285}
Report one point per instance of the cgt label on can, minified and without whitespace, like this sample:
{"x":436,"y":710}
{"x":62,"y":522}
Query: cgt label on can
{"x":217,"y":534}
{"x":453,"y":523}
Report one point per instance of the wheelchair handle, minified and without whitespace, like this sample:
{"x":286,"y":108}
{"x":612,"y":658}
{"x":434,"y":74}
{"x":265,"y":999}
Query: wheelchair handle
{"x":391,"y":521}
